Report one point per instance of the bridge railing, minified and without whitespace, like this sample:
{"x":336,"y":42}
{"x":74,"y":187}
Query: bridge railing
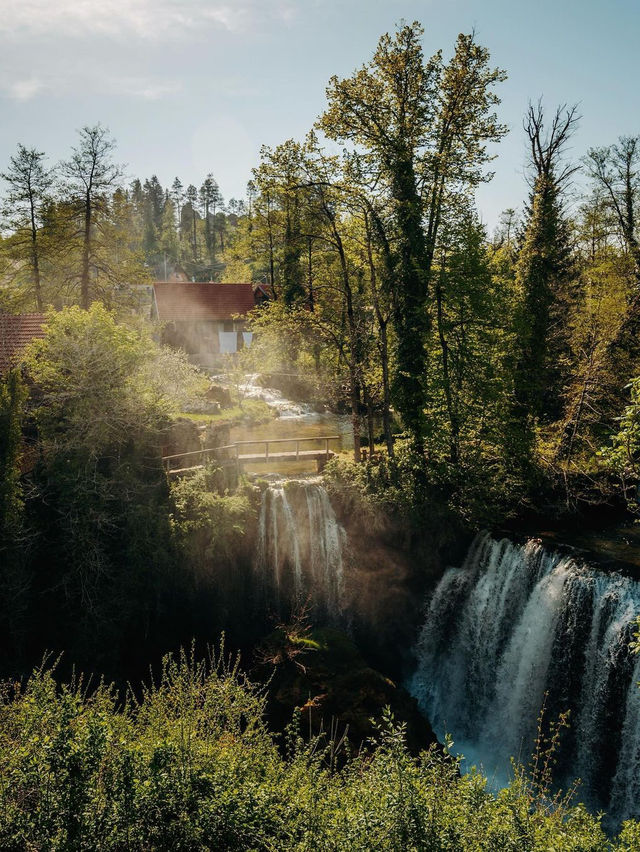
{"x":196,"y":458}
{"x":268,"y":443}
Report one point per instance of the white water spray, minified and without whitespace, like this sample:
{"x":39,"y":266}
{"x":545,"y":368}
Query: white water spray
{"x":514,"y":624}
{"x":300,"y":547}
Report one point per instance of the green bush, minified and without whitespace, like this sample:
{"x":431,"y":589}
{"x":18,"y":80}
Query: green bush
{"x":476,"y":493}
{"x":191,"y":765}
{"x":210,"y":527}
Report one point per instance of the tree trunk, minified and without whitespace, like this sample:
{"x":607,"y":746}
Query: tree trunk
{"x":35,"y":260}
{"x":446,"y":376}
{"x":86,"y":254}
{"x":355,"y":354}
{"x":410,"y":312}
{"x":383,"y":338}
{"x":370,"y":426}
{"x":355,"y":415}
{"x":310,"y":274}
{"x":386,"y":389}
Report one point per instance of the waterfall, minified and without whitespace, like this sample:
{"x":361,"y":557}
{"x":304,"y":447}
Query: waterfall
{"x":299,"y":555}
{"x":519,"y":626}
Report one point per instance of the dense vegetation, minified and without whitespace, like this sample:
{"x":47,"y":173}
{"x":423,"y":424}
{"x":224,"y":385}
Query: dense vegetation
{"x":100,"y":558}
{"x":192,"y":766}
{"x":507,"y":358}
{"x":487,"y":376}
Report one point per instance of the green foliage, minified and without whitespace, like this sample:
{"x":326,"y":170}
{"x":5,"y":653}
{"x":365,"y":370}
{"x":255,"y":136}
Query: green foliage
{"x":472,"y":495}
{"x":544,"y":272}
{"x":101,"y":397}
{"x":211,"y":527}
{"x":15,"y":537}
{"x":12,"y":398}
{"x":192,"y":766}
{"x":100,"y":383}
{"x":423,"y":126}
{"x":289,"y":341}
{"x":29,"y":184}
{"x":470,"y":441}
{"x":623,"y":454}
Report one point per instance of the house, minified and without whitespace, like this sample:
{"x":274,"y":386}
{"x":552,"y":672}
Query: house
{"x":206,"y":319}
{"x":16,"y":332}
{"x":263,"y":293}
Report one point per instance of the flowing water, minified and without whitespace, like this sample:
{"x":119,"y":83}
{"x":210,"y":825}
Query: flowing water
{"x":519,"y":626}
{"x":293,"y":420}
{"x":299,"y":556}
{"x":514,"y":628}
{"x":286,"y":408}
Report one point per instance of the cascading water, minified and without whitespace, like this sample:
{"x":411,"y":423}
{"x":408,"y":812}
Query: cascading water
{"x":519,"y":626}
{"x":286,"y":408}
{"x":299,"y":556}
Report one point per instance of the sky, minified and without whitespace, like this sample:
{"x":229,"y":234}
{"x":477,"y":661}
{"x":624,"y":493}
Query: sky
{"x":188,"y":87}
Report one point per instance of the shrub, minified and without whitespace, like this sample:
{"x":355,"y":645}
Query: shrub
{"x":191,"y":765}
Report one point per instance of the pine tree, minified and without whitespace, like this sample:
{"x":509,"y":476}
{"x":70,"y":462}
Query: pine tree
{"x":24,"y":206}
{"x":545,"y":274}
{"x":89,"y":177}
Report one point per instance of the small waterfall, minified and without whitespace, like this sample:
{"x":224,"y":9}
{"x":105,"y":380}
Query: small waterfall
{"x":300,"y":547}
{"x":515,"y":624}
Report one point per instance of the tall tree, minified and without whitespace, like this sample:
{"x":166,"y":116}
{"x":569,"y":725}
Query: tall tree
{"x":177,"y":197}
{"x":88,"y":178}
{"x":616,"y":171}
{"x":192,"y":216}
{"x":544,"y":272}
{"x":211,"y":201}
{"x":29,"y":184}
{"x":423,"y":126}
{"x":279,"y":180}
{"x":153,"y":206}
{"x":168,"y":241}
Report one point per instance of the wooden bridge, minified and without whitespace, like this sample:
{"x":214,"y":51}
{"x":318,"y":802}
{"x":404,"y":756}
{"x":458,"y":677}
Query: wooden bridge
{"x":242,"y":453}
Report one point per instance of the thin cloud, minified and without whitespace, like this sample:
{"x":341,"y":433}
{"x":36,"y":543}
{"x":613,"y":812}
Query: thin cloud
{"x":146,"y":88}
{"x":149,"y":90}
{"x":24,"y":90}
{"x":147,"y":19}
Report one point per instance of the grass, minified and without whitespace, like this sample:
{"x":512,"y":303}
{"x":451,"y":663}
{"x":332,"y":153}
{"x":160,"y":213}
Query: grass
{"x":252,"y":411}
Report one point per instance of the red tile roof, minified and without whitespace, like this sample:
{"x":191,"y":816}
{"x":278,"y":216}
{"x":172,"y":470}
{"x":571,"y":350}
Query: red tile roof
{"x":16,"y":331}
{"x":202,"y":300}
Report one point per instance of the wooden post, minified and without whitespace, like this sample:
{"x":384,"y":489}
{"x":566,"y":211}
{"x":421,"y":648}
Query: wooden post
{"x":297,"y":450}
{"x":326,"y":445}
{"x":266,"y":449}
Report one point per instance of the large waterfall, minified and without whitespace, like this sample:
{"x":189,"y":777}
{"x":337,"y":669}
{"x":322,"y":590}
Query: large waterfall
{"x":519,"y":626}
{"x":299,"y":557}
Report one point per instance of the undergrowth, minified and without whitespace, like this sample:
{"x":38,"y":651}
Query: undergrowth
{"x":191,"y":765}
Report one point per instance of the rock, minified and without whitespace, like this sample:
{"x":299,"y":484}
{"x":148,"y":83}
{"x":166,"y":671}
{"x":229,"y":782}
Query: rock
{"x":323,"y":674}
{"x":182,"y":436}
{"x":219,"y":394}
{"x":217,"y":435}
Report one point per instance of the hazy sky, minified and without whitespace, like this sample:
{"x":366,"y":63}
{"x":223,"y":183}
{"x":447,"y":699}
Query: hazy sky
{"x":192,"y":86}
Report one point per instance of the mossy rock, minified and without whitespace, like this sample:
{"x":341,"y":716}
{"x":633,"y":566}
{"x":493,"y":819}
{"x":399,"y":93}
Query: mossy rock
{"x":323,"y":674}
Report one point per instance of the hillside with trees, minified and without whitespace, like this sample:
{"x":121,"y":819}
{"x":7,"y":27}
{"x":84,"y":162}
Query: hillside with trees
{"x":492,"y":381}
